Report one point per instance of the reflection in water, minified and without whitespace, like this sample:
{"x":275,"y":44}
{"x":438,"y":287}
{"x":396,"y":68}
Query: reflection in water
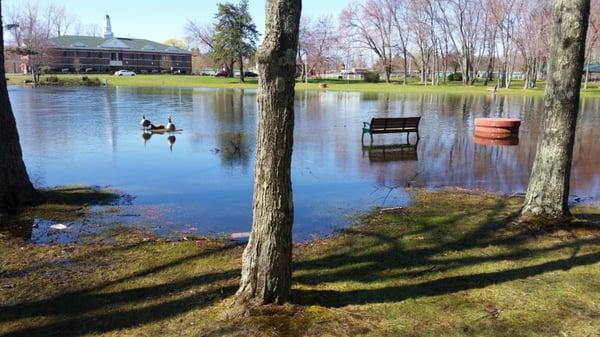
{"x":391,"y":152}
{"x":146,"y":137}
{"x":206,"y":185}
{"x":171,"y":140}
{"x":510,"y":141}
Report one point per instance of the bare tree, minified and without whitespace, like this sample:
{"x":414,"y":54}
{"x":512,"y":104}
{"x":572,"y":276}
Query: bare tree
{"x":315,"y":44}
{"x":59,"y":19}
{"x":37,"y":25}
{"x":15,"y":186}
{"x":266,"y":262}
{"x":593,"y":36}
{"x":531,"y":39}
{"x":420,"y":24}
{"x":370,"y":26}
{"x":203,"y":35}
{"x":548,"y":190}
{"x":400,"y":16}
{"x":505,"y":15}
{"x":462,"y":19}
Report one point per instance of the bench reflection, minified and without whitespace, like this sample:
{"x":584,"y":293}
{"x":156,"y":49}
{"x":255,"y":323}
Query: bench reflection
{"x":391,"y":152}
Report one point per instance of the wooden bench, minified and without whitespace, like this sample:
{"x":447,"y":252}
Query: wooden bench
{"x":392,"y":125}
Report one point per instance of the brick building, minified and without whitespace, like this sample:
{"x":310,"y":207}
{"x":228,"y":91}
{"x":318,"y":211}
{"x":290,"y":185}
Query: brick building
{"x":109,"y":53}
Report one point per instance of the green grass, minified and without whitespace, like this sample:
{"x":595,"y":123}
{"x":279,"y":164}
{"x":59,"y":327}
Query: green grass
{"x":183,"y":81}
{"x":453,"y":264}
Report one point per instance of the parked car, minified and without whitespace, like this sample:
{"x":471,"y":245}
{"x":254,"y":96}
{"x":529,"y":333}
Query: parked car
{"x":222,"y":73}
{"x":124,"y":73}
{"x":250,"y":74}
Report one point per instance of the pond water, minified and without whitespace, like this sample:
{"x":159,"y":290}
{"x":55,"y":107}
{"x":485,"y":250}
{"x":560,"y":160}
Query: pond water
{"x":200,"y":182}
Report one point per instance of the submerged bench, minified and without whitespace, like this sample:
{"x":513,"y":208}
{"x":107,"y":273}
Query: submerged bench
{"x":392,"y":125}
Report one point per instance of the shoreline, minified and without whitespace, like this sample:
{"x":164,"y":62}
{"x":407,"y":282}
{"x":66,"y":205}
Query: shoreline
{"x":190,"y":81}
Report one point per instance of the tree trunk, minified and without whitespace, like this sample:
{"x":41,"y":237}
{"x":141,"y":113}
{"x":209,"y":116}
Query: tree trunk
{"x":587,"y":75}
{"x":231,"y":69}
{"x":266,"y":262}
{"x":405,"y":66}
{"x":548,"y":190}
{"x":241,"y":69}
{"x":15,"y":186}
{"x":388,"y":72}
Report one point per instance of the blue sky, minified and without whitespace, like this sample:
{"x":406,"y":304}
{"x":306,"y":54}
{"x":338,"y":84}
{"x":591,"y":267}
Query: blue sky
{"x":159,"y":20}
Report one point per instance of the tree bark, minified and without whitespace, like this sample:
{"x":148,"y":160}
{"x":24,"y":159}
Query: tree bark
{"x":404,"y":77}
{"x":241,"y":69}
{"x":548,"y":190}
{"x":15,"y":186}
{"x":266,"y":262}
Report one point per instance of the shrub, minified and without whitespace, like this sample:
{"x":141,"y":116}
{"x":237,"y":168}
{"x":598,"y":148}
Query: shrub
{"x":94,"y":82}
{"x":66,"y":70}
{"x":455,"y":77}
{"x":371,"y":77}
{"x":53,"y":80}
{"x":89,"y":70}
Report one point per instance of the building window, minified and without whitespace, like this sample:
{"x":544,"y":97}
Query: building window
{"x":116,"y":57}
{"x":89,"y":54}
{"x":154,"y":57}
{"x":64,"y":54}
{"x":99,"y":55}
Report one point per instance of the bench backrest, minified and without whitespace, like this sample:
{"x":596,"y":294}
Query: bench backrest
{"x":395,"y":123}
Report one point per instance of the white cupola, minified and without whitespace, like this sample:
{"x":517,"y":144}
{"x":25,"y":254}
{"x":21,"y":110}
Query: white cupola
{"x":107,"y":31}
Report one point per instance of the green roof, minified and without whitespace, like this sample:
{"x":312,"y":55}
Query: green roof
{"x":92,"y":42}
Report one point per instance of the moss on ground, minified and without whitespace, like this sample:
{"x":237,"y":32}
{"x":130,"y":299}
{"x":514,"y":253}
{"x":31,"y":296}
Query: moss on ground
{"x":453,"y":264}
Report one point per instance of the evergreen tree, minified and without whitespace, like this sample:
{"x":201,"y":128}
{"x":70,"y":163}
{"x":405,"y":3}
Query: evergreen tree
{"x":235,"y":35}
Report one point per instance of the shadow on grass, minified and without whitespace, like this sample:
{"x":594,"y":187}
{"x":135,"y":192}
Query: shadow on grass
{"x":97,"y":309}
{"x":448,"y":266}
{"x":444,"y":262}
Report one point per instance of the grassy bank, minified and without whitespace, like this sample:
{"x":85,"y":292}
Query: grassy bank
{"x":332,"y":85}
{"x":59,"y":204}
{"x":453,"y":264}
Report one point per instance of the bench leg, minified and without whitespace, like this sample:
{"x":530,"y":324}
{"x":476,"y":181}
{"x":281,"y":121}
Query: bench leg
{"x":371,"y":137}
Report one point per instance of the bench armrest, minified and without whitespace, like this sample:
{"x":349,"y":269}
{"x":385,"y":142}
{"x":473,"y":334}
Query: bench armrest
{"x":365,"y":124}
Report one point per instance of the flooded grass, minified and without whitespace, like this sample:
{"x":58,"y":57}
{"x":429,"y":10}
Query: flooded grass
{"x":454,"y":263}
{"x":58,"y":205}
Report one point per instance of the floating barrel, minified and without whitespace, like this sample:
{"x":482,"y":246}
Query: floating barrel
{"x":500,"y":131}
{"x":512,"y":141}
{"x":505,"y":123}
{"x":493,"y":135}
{"x":497,"y":131}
